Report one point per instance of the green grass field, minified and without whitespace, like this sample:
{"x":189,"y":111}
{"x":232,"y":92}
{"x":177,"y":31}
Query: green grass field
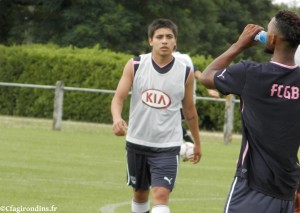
{"x":82,"y":168}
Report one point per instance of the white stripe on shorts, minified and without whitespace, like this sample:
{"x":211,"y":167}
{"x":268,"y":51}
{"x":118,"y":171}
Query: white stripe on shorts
{"x":230,"y":195}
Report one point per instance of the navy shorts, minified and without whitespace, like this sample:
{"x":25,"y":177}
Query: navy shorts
{"x":243,"y":199}
{"x":145,"y":171}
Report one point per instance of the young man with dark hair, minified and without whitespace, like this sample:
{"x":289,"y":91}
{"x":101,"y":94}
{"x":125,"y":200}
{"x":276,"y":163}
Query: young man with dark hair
{"x":160,"y":86}
{"x":268,"y":171}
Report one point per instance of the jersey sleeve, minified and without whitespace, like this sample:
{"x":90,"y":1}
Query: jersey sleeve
{"x":232,"y":79}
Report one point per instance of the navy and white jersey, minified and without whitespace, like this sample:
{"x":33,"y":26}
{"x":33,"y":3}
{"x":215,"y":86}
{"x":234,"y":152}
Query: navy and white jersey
{"x":156,"y":99}
{"x":270,"y":113}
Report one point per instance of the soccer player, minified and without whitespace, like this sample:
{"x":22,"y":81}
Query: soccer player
{"x":160,"y":86}
{"x":186,"y":59}
{"x":267,"y":171}
{"x":297,"y":197}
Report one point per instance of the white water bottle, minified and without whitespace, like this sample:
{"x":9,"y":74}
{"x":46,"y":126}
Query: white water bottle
{"x":261,"y":37}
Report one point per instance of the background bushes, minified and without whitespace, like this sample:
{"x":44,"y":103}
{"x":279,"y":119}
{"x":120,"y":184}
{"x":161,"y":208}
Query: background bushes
{"x":77,"y":67}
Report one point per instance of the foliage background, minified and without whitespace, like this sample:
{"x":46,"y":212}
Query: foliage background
{"x":45,"y":65}
{"x":85,"y":43}
{"x":206,"y":27}
{"x":76,"y":67}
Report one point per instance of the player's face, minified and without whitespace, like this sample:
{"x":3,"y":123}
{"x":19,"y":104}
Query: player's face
{"x":163,"y":42}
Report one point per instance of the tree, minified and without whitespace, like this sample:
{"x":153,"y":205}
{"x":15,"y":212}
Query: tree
{"x":205,"y":27}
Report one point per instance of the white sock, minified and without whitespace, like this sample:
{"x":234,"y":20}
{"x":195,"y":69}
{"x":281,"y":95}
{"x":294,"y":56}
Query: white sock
{"x":160,"y":209}
{"x":140,"y":207}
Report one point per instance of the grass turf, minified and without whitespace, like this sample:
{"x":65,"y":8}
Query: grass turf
{"x":82,"y":168}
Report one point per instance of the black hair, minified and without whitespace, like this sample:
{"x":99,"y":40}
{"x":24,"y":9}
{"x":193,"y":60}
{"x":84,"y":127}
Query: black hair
{"x":162,"y":23}
{"x":288,"y":25}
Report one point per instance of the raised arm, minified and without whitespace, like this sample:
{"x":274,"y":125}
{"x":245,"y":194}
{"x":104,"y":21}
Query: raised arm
{"x":212,"y":93}
{"x":119,"y":125}
{"x":245,"y":41}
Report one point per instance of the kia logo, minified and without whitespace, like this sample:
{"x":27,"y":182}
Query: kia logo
{"x":156,"y":99}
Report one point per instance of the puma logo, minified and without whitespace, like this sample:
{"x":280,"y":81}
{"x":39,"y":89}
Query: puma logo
{"x":222,"y":74}
{"x":169,"y":180}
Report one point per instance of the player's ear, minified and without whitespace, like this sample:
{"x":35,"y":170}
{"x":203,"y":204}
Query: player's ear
{"x":150,"y":41}
{"x":273,"y":39}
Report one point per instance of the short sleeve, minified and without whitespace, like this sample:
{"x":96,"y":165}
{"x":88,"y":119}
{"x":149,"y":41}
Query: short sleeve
{"x":232,"y":79}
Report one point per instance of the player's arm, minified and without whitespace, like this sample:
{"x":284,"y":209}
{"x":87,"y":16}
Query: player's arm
{"x":119,"y":125}
{"x":297,"y":200}
{"x":191,"y":116}
{"x":220,"y":63}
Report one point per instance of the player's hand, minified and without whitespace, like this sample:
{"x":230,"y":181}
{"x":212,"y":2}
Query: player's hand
{"x":119,"y":127}
{"x":195,"y":158}
{"x":246,"y":39}
{"x":213,"y":93}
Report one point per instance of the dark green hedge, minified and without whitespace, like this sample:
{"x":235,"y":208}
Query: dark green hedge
{"x":85,"y":68}
{"x":47,"y":64}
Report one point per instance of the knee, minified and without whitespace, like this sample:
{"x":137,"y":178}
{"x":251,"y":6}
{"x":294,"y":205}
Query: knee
{"x":160,"y":195}
{"x":141,"y":196}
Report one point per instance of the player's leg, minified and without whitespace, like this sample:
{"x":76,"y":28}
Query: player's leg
{"x":163,"y":176}
{"x":243,"y":199}
{"x":160,"y":209}
{"x":160,"y":197}
{"x":138,"y":177}
{"x":140,"y":202}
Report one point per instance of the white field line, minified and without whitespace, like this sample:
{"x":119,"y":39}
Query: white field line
{"x":110,"y":208}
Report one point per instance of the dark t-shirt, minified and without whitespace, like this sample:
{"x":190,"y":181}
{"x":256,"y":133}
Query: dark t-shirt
{"x":270,"y":112}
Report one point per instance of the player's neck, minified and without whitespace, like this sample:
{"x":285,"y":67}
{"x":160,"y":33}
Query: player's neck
{"x":284,"y":55}
{"x":162,"y":60}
